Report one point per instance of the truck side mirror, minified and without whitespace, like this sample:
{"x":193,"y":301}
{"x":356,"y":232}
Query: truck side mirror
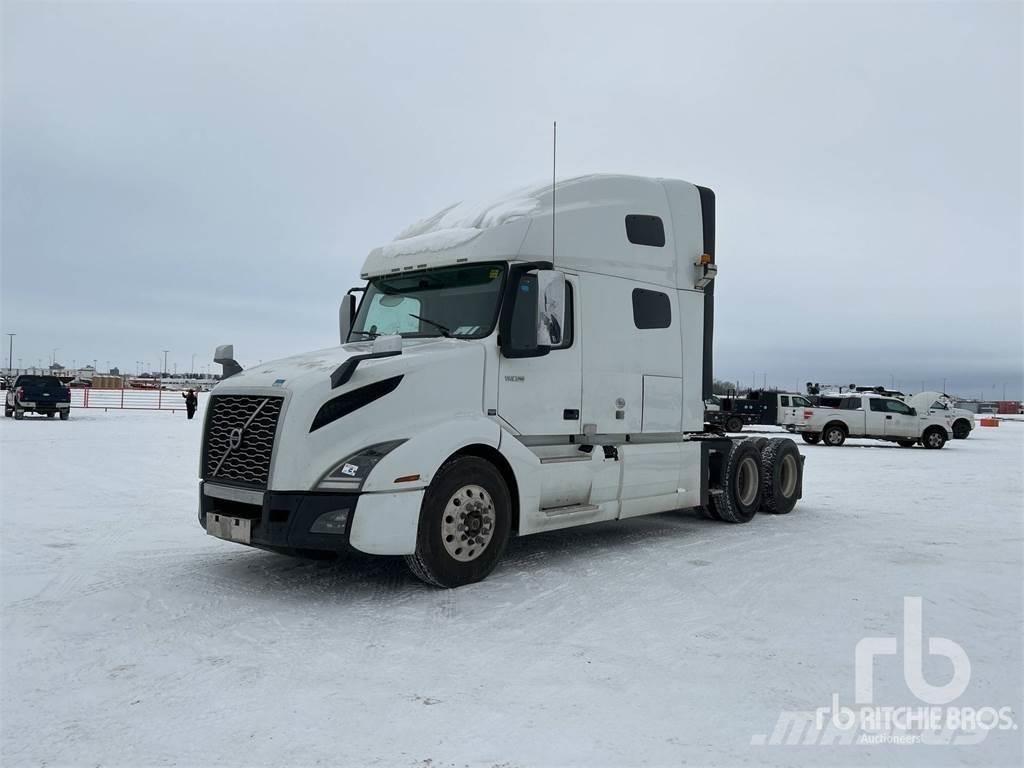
{"x":550,"y":307}
{"x":225,"y":355}
{"x":346,"y":316}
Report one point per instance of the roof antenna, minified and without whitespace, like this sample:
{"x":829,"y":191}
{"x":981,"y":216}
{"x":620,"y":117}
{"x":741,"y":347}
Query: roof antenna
{"x":554,"y":159}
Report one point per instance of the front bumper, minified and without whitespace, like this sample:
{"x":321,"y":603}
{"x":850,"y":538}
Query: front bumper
{"x":282,"y":520}
{"x":386,"y":523}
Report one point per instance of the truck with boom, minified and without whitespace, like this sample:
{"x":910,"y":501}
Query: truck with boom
{"x":510,"y":368}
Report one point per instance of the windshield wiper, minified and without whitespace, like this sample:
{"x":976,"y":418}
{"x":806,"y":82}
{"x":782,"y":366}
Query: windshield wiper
{"x":371,"y":334}
{"x":445,"y":331}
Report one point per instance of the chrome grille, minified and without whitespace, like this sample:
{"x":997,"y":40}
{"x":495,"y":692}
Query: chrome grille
{"x":239,"y":439}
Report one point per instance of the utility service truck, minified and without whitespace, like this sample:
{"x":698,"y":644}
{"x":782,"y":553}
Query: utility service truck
{"x":862,"y":414}
{"x":510,"y":368}
{"x":760,"y":407}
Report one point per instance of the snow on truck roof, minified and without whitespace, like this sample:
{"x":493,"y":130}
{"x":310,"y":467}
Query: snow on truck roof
{"x":590,"y":214}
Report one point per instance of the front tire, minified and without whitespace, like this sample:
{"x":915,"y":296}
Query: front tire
{"x":906,"y":443}
{"x":834,"y":434}
{"x":961,"y":429}
{"x":934,"y":438}
{"x":465,"y":524}
{"x":739,"y":495}
{"x":734,"y":424}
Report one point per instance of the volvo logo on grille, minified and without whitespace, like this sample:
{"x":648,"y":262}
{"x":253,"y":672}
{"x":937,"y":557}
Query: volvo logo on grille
{"x":235,"y":437}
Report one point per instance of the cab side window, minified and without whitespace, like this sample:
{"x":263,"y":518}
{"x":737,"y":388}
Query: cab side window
{"x":524,"y":315}
{"x":895,"y":406}
{"x":878,"y":405}
{"x":784,"y":401}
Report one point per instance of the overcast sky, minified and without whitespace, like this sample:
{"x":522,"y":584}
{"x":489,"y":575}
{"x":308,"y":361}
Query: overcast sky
{"x":176,"y":176}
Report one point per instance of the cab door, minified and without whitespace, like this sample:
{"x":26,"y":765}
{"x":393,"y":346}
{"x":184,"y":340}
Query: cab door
{"x":542,"y":395}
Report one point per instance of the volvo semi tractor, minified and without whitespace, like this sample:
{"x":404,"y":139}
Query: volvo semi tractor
{"x":530,"y":364}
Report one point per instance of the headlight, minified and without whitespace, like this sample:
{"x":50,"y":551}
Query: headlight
{"x":350,"y":473}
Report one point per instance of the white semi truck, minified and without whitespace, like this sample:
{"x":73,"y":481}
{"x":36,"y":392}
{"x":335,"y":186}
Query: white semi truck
{"x":511,"y":368}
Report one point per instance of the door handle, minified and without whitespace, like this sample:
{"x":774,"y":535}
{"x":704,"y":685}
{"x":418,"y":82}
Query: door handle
{"x":571,"y":414}
{"x":888,"y":417}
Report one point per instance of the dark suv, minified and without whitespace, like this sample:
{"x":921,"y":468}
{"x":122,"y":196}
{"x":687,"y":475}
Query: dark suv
{"x":38,"y":394}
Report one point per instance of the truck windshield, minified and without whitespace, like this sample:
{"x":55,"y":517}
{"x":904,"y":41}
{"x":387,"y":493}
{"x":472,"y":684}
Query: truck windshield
{"x":454,"y":301}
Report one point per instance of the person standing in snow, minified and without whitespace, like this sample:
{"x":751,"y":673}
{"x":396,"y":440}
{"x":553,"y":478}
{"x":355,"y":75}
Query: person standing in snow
{"x":191,"y":402}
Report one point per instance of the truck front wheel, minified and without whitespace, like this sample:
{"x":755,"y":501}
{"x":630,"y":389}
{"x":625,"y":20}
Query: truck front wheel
{"x":734,"y":424}
{"x":834,"y":434}
{"x":738,"y":496}
{"x":934,"y":438}
{"x":961,"y":429}
{"x":465,"y":524}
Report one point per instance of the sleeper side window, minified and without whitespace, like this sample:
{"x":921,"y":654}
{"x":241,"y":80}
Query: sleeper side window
{"x":645,"y":230}
{"x":651,"y":309}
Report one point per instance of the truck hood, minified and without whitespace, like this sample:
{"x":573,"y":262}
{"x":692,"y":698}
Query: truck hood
{"x":300,"y":372}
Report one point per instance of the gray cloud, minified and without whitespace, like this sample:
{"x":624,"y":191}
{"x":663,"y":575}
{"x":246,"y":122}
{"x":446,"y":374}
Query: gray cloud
{"x":180,"y":175}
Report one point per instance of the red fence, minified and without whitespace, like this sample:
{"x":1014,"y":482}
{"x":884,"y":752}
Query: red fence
{"x":128,"y":399}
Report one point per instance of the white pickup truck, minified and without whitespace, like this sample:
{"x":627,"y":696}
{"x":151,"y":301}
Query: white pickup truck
{"x":861,"y":414}
{"x":961,"y":420}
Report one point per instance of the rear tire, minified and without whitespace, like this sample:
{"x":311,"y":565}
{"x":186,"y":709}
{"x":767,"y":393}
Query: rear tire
{"x":8,"y":412}
{"x":906,"y":443}
{"x":50,"y":415}
{"x":811,"y":438}
{"x":734,"y":424}
{"x":65,"y":415}
{"x":465,"y":524}
{"x":19,"y":414}
{"x":833,"y":434}
{"x":740,"y":491}
{"x":782,"y":476}
{"x":934,"y":438}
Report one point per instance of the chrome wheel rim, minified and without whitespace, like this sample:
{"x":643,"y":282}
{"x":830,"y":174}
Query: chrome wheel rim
{"x":833,"y":436}
{"x":935,"y":439}
{"x":746,"y":481}
{"x":467,"y":525}
{"x":787,"y":481}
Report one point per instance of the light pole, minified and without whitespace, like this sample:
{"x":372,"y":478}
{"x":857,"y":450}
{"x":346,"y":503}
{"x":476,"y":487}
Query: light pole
{"x":10,"y":350}
{"x":943,"y":385}
{"x":192,"y":368}
{"x":164,"y":369}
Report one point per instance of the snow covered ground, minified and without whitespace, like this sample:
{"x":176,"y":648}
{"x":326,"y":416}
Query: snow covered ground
{"x":131,"y":638}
